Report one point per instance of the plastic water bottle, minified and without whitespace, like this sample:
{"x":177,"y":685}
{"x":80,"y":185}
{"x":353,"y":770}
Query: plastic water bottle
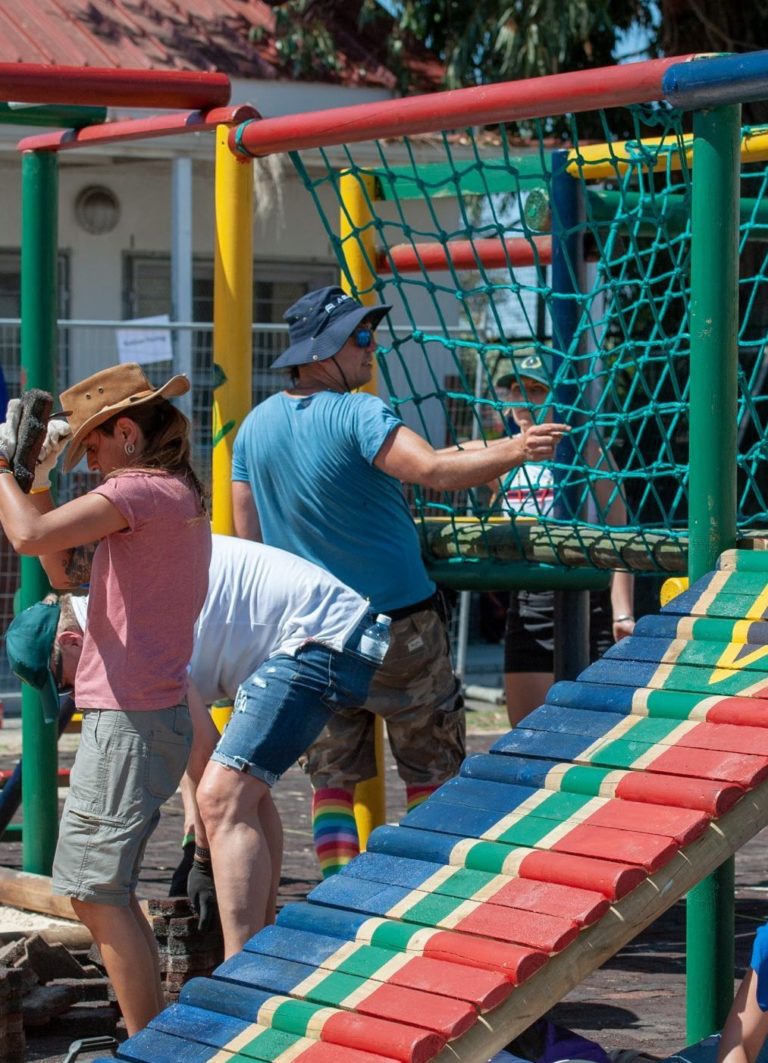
{"x":374,"y":641}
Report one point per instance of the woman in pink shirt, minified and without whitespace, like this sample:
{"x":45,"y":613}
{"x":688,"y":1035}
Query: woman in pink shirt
{"x":148,"y":580}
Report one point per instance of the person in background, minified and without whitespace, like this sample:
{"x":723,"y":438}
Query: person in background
{"x":746,"y":1027}
{"x":318,"y":470}
{"x":148,"y":579}
{"x":530,"y":492}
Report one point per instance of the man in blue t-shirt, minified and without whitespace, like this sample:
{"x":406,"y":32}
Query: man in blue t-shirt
{"x":317,"y":470}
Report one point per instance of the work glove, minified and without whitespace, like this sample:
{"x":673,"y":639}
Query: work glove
{"x":202,"y":894}
{"x":56,"y":438}
{"x":9,"y":430}
{"x":180,"y":875}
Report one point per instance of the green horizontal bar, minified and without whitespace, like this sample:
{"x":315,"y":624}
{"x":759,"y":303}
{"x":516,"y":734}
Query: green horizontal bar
{"x":70,"y":117}
{"x":672,"y":216}
{"x":12,"y":833}
{"x":435,"y":179}
{"x":469,"y":575}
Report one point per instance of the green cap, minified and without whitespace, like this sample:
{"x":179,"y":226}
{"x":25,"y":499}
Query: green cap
{"x":528,"y":365}
{"x":28,"y":643}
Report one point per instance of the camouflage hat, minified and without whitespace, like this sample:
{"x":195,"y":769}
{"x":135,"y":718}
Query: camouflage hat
{"x":528,"y":364}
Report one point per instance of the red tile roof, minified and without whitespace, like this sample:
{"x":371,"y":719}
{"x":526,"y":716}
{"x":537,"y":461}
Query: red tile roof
{"x":234,"y":37}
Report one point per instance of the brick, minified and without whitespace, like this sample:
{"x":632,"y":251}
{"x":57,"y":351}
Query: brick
{"x":51,"y":961}
{"x":46,"y":1002}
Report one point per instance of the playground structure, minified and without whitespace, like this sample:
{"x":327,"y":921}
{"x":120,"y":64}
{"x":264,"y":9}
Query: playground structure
{"x":645,"y":336}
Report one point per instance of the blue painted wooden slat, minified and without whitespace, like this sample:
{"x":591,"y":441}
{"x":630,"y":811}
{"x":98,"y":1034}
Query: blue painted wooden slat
{"x":334,"y":921}
{"x":600,"y":697}
{"x":225,"y":997}
{"x":151,"y":1046}
{"x":208,"y":1028}
{"x":503,"y":767}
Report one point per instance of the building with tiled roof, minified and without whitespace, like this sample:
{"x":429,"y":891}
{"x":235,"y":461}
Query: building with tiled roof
{"x":120,"y":204}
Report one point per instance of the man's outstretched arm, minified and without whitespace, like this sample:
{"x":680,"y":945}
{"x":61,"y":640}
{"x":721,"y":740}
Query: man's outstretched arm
{"x":407,"y":457}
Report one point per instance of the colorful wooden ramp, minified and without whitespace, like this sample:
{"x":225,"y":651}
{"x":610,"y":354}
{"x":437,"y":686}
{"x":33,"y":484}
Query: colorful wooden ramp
{"x":513,"y":881}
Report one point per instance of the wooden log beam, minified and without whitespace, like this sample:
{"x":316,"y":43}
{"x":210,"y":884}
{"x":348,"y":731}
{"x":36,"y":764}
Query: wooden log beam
{"x":22,"y":889}
{"x":502,"y":539}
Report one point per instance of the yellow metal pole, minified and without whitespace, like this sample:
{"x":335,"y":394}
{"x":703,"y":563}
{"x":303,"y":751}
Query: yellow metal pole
{"x":232,"y":320}
{"x":596,"y":162}
{"x":232,"y":332}
{"x":357,"y":241}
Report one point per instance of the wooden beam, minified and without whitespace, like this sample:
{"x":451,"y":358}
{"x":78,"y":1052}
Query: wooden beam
{"x":22,"y":889}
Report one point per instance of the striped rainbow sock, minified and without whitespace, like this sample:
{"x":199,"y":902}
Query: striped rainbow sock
{"x":334,"y":829}
{"x":415,"y":794}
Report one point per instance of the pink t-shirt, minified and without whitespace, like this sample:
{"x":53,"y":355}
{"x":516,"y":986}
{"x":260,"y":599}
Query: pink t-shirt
{"x":148,"y":583}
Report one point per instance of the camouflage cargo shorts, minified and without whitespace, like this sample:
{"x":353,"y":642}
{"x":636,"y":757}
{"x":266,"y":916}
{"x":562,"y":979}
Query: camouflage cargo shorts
{"x":419,"y":697}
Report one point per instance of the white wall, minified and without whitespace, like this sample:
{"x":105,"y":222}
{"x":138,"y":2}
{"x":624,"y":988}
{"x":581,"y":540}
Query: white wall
{"x":287,"y":228}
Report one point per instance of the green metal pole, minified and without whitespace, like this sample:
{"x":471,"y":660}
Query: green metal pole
{"x":39,"y":196}
{"x":712,"y":513}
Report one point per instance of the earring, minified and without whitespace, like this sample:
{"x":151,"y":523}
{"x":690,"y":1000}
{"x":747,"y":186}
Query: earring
{"x":129,"y":448}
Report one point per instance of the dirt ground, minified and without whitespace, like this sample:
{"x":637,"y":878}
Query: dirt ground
{"x":636,"y":1001}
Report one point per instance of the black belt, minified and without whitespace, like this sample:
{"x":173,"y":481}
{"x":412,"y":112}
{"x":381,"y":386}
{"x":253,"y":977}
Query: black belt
{"x":433,"y":602}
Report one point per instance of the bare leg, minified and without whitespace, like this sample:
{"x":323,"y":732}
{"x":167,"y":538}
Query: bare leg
{"x":246,"y":841}
{"x":525,"y":691}
{"x":129,"y":954}
{"x":746,"y":1027}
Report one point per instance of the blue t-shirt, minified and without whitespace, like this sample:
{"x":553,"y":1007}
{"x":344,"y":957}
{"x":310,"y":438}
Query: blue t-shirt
{"x":309,"y":463}
{"x":759,"y":964}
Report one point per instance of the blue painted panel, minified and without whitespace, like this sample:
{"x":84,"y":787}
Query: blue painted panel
{"x":400,"y":841}
{"x":559,"y":720}
{"x":503,"y":767}
{"x":637,"y":648}
{"x":541,"y":744}
{"x":598,"y":697}
{"x":619,"y":673}
{"x":198,"y":1024}
{"x":214,"y":994}
{"x":151,"y":1046}
{"x":311,"y":917}
{"x":286,"y":944}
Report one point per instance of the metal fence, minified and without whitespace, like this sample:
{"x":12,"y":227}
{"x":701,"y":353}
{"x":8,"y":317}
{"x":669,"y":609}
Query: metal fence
{"x":86,"y":346}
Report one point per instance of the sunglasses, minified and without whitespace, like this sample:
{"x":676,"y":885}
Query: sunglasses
{"x":363,"y":337}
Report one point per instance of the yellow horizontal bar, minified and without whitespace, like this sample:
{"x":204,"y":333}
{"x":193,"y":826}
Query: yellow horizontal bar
{"x":599,"y":161}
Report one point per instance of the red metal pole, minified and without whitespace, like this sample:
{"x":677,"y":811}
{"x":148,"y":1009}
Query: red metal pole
{"x":159,"y":125}
{"x":583,"y":90}
{"x":36,"y":83}
{"x":466,"y":254}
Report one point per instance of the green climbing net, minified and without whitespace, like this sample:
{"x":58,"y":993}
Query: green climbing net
{"x":609,"y":321}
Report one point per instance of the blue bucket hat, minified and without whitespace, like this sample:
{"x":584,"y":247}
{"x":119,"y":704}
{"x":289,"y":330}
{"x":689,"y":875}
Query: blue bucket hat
{"x":29,"y":643}
{"x":321,"y":322}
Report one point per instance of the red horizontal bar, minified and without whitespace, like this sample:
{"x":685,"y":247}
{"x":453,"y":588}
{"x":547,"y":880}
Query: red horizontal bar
{"x":583,"y":90}
{"x":159,"y":125}
{"x":466,"y":254}
{"x":37,"y":83}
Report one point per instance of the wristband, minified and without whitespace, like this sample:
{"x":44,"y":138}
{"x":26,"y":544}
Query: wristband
{"x":624,"y":616}
{"x":202,"y":855}
{"x":6,"y":468}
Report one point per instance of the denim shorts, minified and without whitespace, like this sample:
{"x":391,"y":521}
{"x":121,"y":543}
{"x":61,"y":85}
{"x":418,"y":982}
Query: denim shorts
{"x":282,"y":708}
{"x":127,"y":765}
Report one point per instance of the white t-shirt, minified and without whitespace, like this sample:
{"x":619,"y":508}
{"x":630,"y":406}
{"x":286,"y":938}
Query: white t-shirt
{"x":529,"y":491}
{"x":263,"y":601}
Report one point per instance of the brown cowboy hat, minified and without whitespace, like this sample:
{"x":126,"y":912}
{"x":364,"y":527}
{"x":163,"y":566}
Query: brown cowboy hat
{"x":97,"y":398}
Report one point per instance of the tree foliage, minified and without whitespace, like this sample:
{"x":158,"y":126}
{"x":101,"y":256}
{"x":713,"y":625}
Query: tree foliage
{"x":494,"y":40}
{"x":482,"y":41}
